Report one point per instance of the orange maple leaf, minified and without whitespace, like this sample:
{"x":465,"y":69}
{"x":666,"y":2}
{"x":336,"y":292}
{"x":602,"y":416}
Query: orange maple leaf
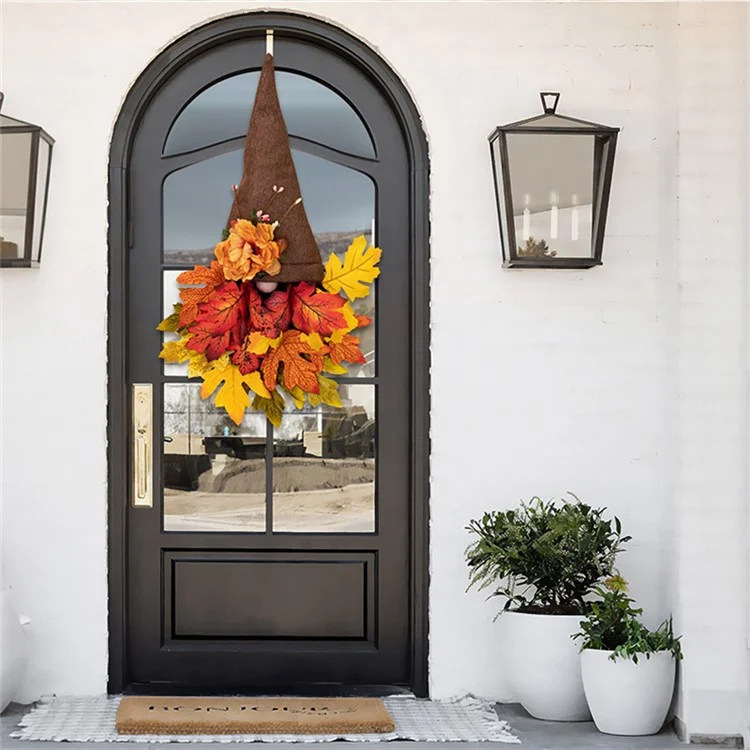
{"x":347,"y":350}
{"x":293,"y":354}
{"x":314,"y":311}
{"x":211,"y":277}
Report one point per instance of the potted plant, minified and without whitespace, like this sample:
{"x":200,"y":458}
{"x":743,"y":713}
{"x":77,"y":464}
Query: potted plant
{"x":628,"y":670}
{"x":544,"y":558}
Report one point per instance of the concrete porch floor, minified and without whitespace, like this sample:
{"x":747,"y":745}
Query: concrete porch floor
{"x":534,"y":735}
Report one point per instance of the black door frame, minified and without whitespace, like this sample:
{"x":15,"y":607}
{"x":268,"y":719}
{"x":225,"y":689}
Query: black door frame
{"x":340,"y":43}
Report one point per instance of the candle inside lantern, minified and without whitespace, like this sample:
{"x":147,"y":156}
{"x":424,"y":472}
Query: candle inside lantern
{"x":553,"y":216}
{"x":526,"y":217}
{"x":574,"y":219}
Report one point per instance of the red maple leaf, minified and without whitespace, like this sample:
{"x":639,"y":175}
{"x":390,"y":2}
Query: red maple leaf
{"x":207,"y":341}
{"x":316,"y":311}
{"x":347,"y":350}
{"x":270,"y":316}
{"x":246,"y":361}
{"x":224,"y":309}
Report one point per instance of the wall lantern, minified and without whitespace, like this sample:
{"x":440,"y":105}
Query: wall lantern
{"x":552,"y":180}
{"x":25,"y":155}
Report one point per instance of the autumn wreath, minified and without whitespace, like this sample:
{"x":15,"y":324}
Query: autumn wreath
{"x":240,"y":340}
{"x":265,"y":318}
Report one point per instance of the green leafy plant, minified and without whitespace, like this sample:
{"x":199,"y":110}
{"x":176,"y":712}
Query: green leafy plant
{"x":544,"y":557}
{"x":612,"y":624}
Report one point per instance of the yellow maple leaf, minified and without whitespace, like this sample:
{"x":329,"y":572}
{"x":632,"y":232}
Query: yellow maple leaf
{"x":232,"y":395}
{"x":177,"y":352}
{"x":331,"y":367}
{"x":197,"y":364}
{"x":356,"y":273}
{"x":297,"y":395}
{"x":313,"y":339}
{"x":171,"y":324}
{"x":329,"y":393}
{"x":273,"y":407}
{"x":257,"y":343}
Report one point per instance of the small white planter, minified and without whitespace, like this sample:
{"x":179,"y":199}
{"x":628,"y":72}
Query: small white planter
{"x":543,"y":665}
{"x":627,"y":698}
{"x":14,"y":650}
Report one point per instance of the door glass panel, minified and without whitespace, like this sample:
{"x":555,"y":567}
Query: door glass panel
{"x":214,"y":471}
{"x":311,"y":110}
{"x":324,"y":466}
{"x":339,"y":201}
{"x":197,"y":201}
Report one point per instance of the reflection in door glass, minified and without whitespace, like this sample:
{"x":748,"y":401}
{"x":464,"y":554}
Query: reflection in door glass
{"x":311,"y":110}
{"x":214,"y":471}
{"x":324,"y":466}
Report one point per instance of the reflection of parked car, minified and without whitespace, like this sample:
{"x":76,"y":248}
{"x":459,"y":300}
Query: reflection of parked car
{"x":350,"y":434}
{"x":181,"y":471}
{"x":234,"y":446}
{"x":251,"y":447}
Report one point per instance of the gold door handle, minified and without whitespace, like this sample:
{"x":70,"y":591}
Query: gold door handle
{"x":143,"y":496}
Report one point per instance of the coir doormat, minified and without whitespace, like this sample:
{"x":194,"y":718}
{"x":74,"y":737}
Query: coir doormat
{"x":92,"y":719}
{"x":148,"y":715}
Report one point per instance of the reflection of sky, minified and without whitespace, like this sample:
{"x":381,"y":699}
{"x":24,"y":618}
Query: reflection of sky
{"x":310,"y":109}
{"x":198,"y":198}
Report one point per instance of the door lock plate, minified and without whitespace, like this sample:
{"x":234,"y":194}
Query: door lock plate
{"x":143,"y":491}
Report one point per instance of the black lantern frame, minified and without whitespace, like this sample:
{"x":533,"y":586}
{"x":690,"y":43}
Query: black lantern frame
{"x":547,"y":124}
{"x":29,"y":254}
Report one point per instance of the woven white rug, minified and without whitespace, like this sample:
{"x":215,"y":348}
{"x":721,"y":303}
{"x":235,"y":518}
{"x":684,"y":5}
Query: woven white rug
{"x":465,"y":719}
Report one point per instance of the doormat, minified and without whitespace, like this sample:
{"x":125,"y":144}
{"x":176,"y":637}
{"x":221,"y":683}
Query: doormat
{"x":92,"y":719}
{"x":147,"y":715}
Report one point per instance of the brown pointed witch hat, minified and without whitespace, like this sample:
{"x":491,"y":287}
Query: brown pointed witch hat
{"x":268,"y":163}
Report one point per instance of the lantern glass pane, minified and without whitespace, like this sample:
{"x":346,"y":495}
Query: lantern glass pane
{"x":40,"y":197}
{"x":497,"y":165}
{"x":15,"y":165}
{"x":552,"y":180}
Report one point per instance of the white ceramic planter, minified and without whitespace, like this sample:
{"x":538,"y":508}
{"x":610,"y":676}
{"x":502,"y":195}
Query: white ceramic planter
{"x":627,"y":698}
{"x":14,"y":650}
{"x":543,"y":665}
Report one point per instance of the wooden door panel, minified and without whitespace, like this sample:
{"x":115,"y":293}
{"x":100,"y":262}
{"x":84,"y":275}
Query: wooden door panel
{"x":274,"y":596}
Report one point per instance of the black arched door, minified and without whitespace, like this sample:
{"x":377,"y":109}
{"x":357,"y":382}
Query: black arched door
{"x":285,"y":557}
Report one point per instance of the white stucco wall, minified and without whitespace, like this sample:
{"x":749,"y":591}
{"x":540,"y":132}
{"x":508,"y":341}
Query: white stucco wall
{"x":625,"y":383}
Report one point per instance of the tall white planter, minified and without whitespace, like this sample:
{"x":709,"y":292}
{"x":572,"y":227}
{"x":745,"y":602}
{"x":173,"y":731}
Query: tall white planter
{"x":627,"y":698}
{"x":14,"y":650}
{"x":543,"y":665}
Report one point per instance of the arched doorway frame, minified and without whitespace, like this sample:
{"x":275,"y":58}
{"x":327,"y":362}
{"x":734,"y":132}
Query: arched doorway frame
{"x":171,"y":59}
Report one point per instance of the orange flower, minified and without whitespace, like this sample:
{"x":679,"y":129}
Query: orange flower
{"x":234,"y":256}
{"x":249,"y":249}
{"x":245,"y":229}
{"x":266,"y":259}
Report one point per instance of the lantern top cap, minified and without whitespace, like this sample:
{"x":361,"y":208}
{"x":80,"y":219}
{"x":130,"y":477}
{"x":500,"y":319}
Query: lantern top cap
{"x":549,"y":101}
{"x":14,"y":125}
{"x":551,"y":122}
